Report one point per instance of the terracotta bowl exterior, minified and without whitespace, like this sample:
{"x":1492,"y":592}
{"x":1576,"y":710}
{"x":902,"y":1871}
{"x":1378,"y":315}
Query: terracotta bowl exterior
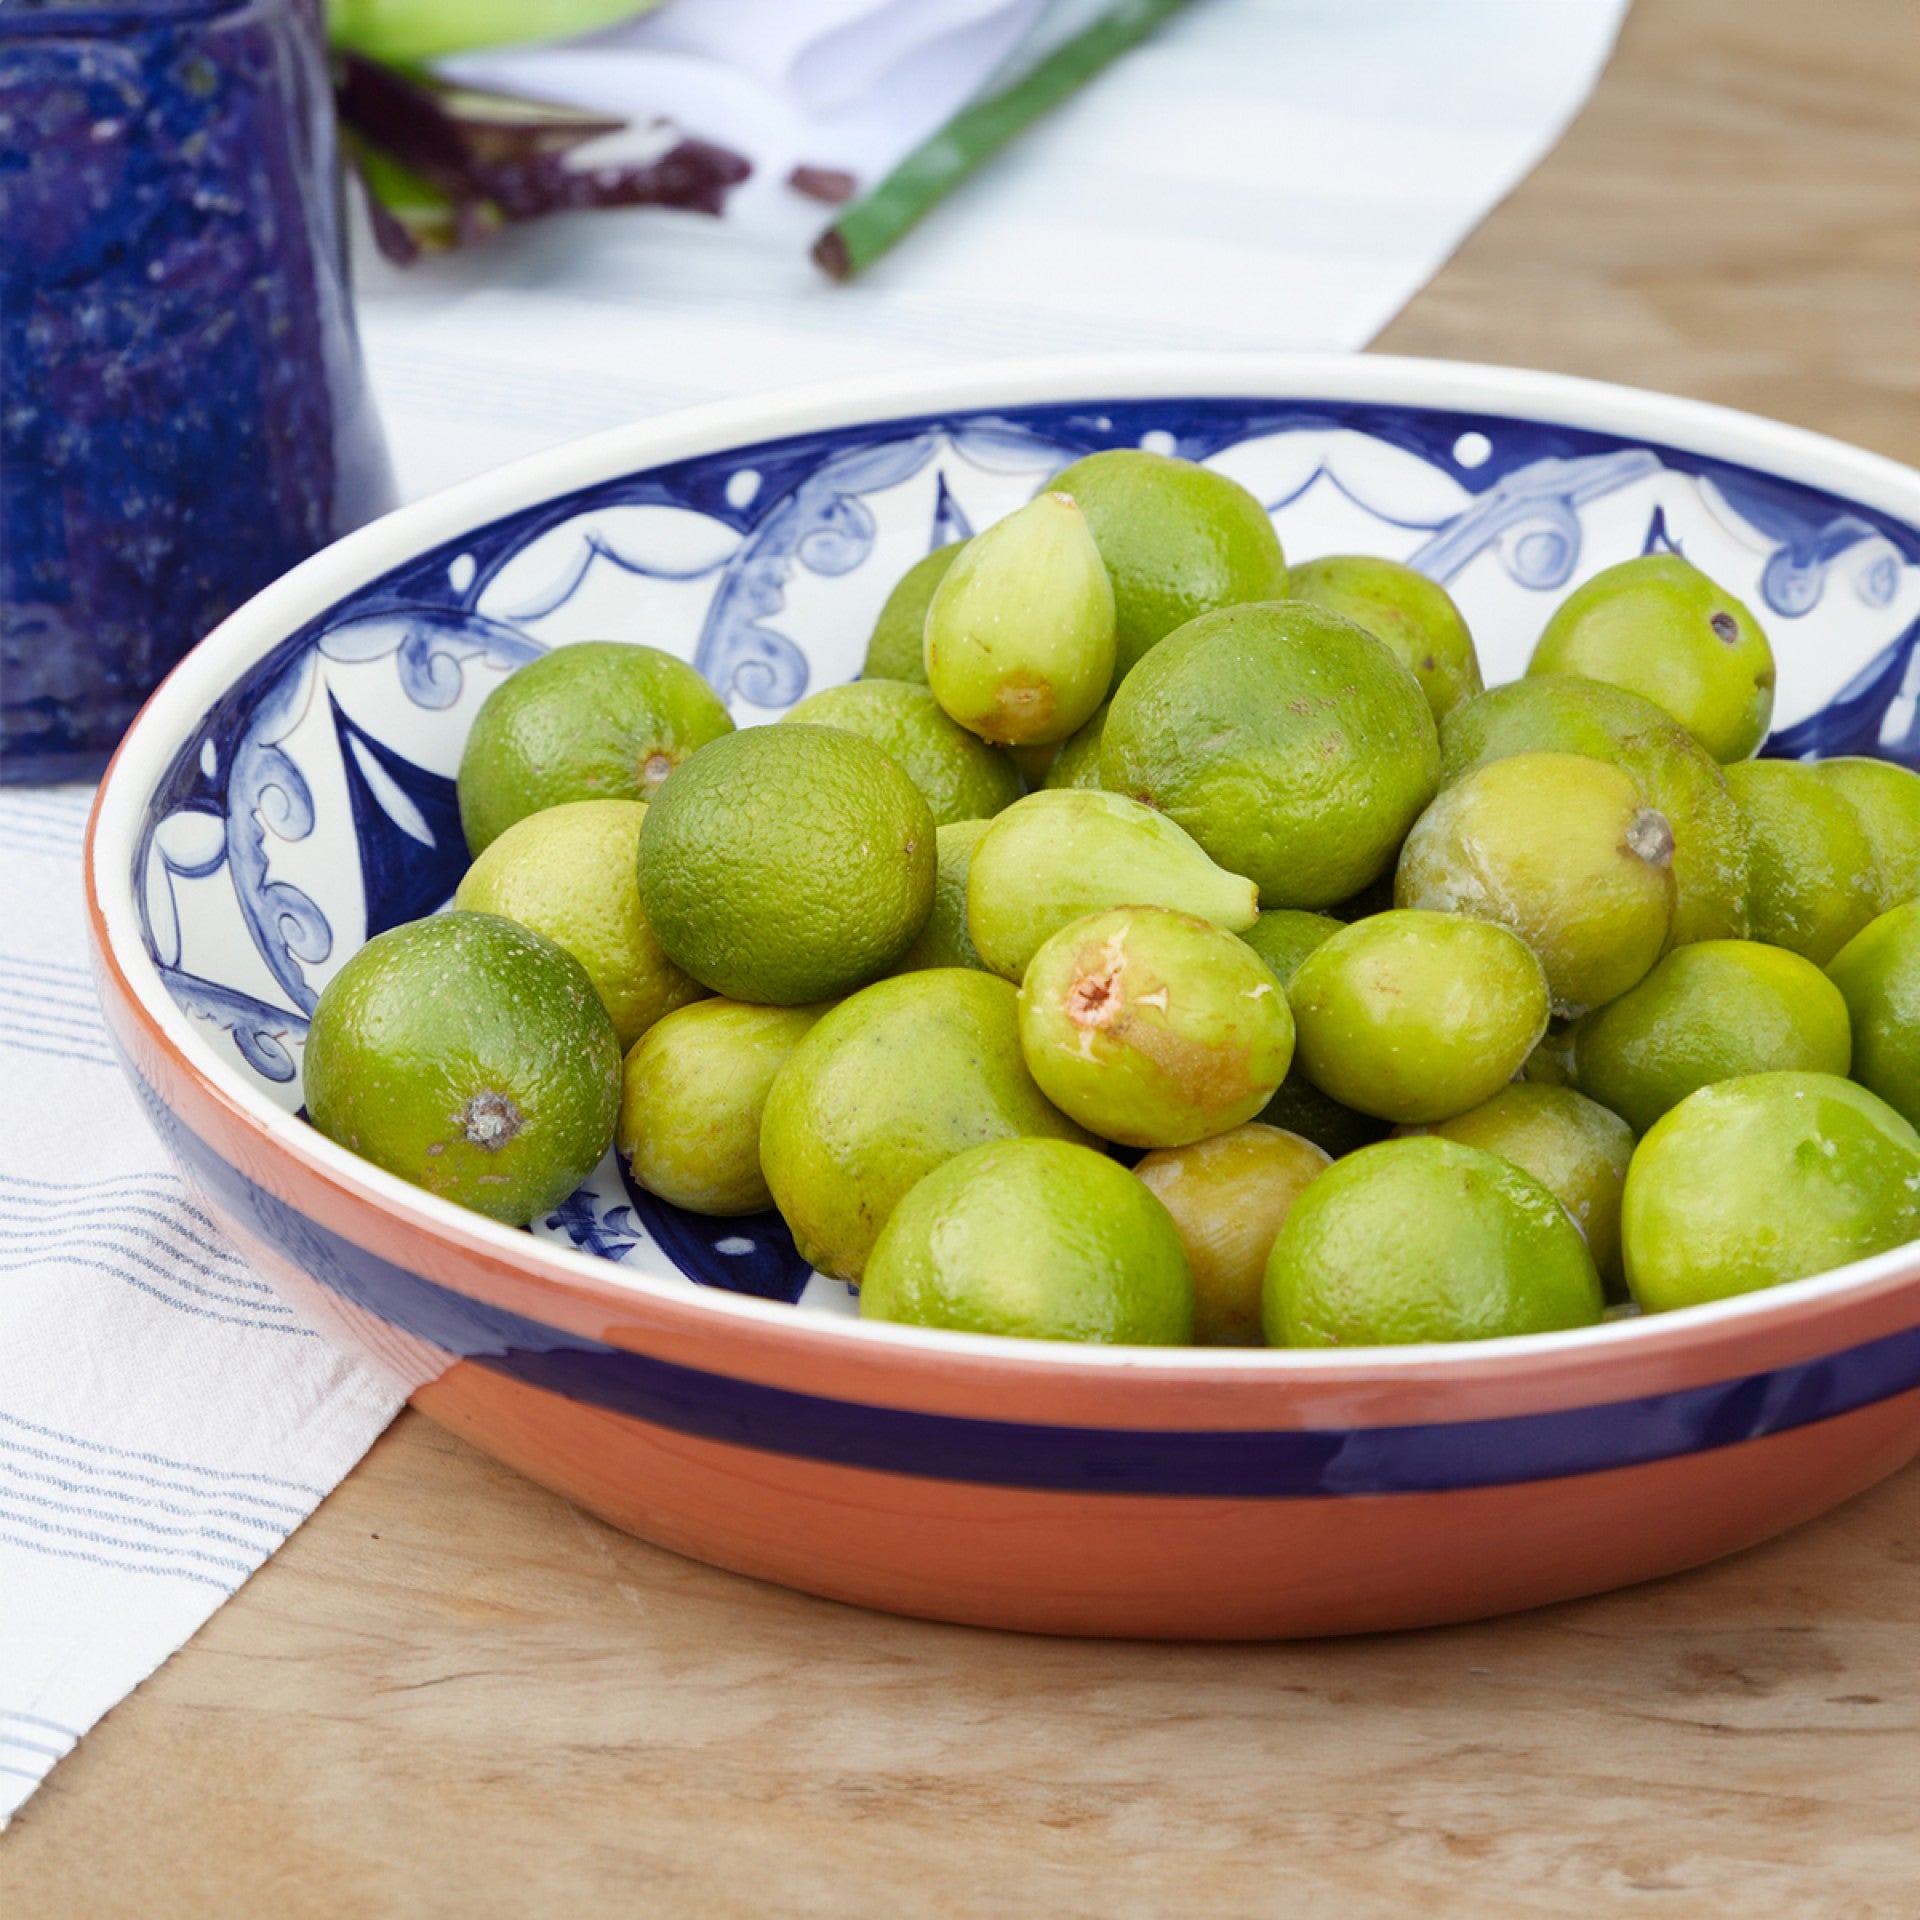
{"x":288,"y":792}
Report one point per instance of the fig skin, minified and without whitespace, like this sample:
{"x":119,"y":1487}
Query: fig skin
{"x":1154,"y":1029}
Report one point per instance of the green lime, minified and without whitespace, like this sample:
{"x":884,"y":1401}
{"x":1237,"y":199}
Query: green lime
{"x":1294,"y":747}
{"x":1712,"y":1011}
{"x":1886,"y":801}
{"x":1285,"y":936}
{"x":692,"y":1094}
{"x":1414,"y":616}
{"x":1153,"y":1028}
{"x":1763,"y":1179}
{"x":1300,"y":1107}
{"x":1550,"y":1064}
{"x":1559,"y":713}
{"x":897,"y":650}
{"x":469,"y":1055}
{"x":944,"y":941}
{"x":888,"y":1085}
{"x":573,"y":873}
{"x":598,"y":720}
{"x":787,"y":864}
{"x":1659,"y":627}
{"x":1414,"y":1016}
{"x":1034,"y":763}
{"x":1040,"y":1239}
{"x":962,"y":777}
{"x":1562,"y":850}
{"x":1179,"y":540}
{"x":1814,"y":884}
{"x":1426,"y":1239}
{"x":1229,"y":1197}
{"x":1878,"y":974}
{"x":1577,"y":1149}
{"x":1020,"y":632}
{"x":1077,"y":763}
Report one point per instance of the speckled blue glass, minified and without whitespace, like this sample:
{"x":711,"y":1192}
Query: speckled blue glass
{"x":183,"y":410}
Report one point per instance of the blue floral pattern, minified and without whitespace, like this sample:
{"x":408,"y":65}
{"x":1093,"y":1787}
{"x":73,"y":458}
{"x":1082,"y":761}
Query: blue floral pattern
{"x":316,"y":805}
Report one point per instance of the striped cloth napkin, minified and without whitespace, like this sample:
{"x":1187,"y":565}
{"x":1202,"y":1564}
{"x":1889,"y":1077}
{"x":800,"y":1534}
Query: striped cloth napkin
{"x":164,"y":1422}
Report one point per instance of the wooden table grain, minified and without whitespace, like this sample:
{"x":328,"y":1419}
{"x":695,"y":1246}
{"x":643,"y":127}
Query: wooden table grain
{"x":453,"y":1693}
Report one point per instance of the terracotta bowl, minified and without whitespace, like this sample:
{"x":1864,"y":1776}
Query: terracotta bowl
{"x":289,"y":792}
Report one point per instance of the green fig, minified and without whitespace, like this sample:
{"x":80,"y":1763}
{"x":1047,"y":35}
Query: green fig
{"x":1153,"y":1028}
{"x":1020,"y":633}
{"x":1057,"y":855}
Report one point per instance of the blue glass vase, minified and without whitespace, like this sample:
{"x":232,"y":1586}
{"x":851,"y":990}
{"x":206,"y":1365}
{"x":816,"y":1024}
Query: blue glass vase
{"x":183,"y":409}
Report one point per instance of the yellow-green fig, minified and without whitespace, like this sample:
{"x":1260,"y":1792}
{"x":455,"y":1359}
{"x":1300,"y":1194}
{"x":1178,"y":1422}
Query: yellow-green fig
{"x":1020,"y":634}
{"x":1057,"y":855}
{"x":1153,"y":1028}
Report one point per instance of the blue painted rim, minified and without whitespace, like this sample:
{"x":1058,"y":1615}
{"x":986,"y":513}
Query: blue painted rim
{"x":1314,"y":1463}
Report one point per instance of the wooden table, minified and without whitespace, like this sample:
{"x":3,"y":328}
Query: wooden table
{"x":452,"y":1693}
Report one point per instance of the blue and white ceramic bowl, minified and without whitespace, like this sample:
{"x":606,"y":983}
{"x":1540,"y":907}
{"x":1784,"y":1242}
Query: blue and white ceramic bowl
{"x":289,"y":793}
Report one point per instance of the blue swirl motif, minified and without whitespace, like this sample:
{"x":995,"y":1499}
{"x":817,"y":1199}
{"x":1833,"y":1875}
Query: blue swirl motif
{"x":431,"y":648}
{"x":611,"y":1232}
{"x":1539,"y":502}
{"x":1876,"y":713}
{"x":260,"y":1032}
{"x":267,"y":792}
{"x":825,"y":526}
{"x":822,"y":525}
{"x":1795,"y":575}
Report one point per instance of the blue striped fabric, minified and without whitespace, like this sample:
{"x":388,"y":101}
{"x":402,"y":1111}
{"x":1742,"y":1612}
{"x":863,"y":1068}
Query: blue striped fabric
{"x":165,"y":1421}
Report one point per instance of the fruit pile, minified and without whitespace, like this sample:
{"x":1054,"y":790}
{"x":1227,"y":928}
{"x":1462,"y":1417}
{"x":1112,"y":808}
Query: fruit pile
{"x":1160,"y":944}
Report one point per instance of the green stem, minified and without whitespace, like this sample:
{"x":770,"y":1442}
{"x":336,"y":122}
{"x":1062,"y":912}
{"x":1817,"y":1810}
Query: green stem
{"x":929,"y":173}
